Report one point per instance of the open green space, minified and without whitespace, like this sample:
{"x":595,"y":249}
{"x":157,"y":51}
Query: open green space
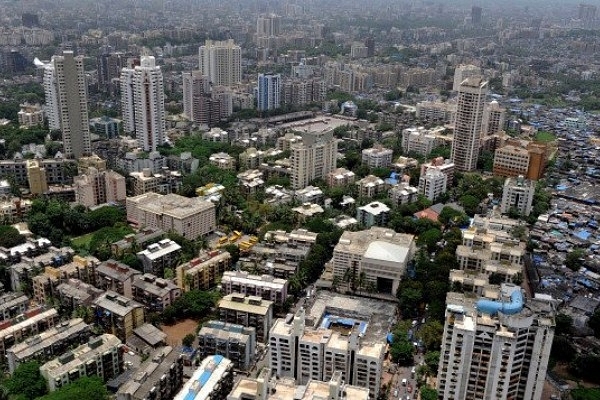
{"x":83,"y":241}
{"x":545,"y":136}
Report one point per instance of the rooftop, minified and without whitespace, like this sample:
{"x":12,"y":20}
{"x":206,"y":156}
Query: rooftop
{"x":250,"y":304}
{"x":171,"y":204}
{"x":205,"y":378}
{"x":116,"y":304}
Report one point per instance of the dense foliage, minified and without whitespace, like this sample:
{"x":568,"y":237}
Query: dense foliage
{"x":26,"y":382}
{"x":10,"y":237}
{"x":88,"y":388}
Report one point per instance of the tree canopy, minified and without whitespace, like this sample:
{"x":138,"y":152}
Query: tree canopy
{"x":88,"y":388}
{"x":10,"y":236}
{"x":27,"y":382}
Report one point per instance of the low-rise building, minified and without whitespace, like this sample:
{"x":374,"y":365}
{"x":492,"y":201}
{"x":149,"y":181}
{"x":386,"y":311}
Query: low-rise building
{"x":154,"y":293}
{"x":115,"y":276}
{"x":159,"y":256}
{"x":204,"y":271}
{"x":517,"y":194}
{"x":444,"y":166}
{"x":251,"y":181}
{"x":236,"y":342}
{"x":189,"y":217}
{"x":30,"y":115}
{"x":160,"y":377}
{"x":340,"y":177}
{"x":307,"y":210}
{"x":422,"y":141}
{"x":403,"y":193}
{"x":12,"y":304}
{"x":370,"y":186}
{"x":382,"y":254}
{"x":373,"y":214}
{"x":74,"y":293}
{"x":309,"y":194}
{"x":163,"y":182}
{"x":265,"y":286}
{"x":519,"y":157}
{"x":377,"y":157}
{"x":14,"y":209}
{"x":222,"y":161}
{"x":433,"y":184}
{"x":247,"y":311}
{"x":31,"y":323}
{"x":144,"y":236}
{"x":117,"y":314}
{"x":82,"y":268}
{"x":49,"y":343}
{"x":213,"y":380}
{"x":101,"y":356}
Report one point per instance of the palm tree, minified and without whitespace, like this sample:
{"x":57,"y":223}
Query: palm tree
{"x":361,"y":281}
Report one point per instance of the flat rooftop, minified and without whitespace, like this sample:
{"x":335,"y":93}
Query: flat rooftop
{"x":204,"y":379}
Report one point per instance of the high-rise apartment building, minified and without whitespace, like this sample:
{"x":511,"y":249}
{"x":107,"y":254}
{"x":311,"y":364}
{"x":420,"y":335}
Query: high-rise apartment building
{"x":143,"y":103}
{"x":99,"y":187}
{"x":269,"y":91}
{"x":201,"y":104}
{"x":109,"y":65}
{"x":221,"y":61}
{"x":494,"y":117}
{"x":467,"y":127}
{"x":313,"y":158}
{"x":496,"y":347}
{"x":518,"y":194}
{"x":463,"y":72}
{"x":50,"y":95}
{"x":70,"y":100}
{"x":268,"y":25}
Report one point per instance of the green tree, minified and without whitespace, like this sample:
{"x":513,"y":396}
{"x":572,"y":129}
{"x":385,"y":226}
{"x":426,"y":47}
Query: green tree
{"x":430,"y":238}
{"x":574,"y":258}
{"x":431,"y":335}
{"x":582,"y":393}
{"x":188,"y":340}
{"x":564,"y":324}
{"x":27,"y":382}
{"x":470,"y":203}
{"x":401,"y":350}
{"x":428,"y":393}
{"x":88,"y":388}
{"x":432,"y":359}
{"x":10,"y":236}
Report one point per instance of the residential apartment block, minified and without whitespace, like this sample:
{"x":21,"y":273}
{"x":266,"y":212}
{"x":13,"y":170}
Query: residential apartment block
{"x":203,"y":272}
{"x":160,"y":377}
{"x":377,"y":157}
{"x":497,"y":346}
{"x":222,"y":160}
{"x":221,"y":62}
{"x":518,"y":194}
{"x":12,"y":304}
{"x":74,"y":293}
{"x":213,"y":380}
{"x":338,"y":334}
{"x":403,"y":193}
{"x":422,"y":141}
{"x":155,"y":294}
{"x":163,"y":182}
{"x":99,"y":187}
{"x":115,"y":276}
{"x":49,"y":343}
{"x":247,"y":311}
{"x":263,"y":286}
{"x":382,"y":254}
{"x":101,"y":356}
{"x":373,"y":214}
{"x":516,"y":157}
{"x":159,"y":256}
{"x":190,"y":217}
{"x":117,"y":314}
{"x":235,"y":342}
{"x":265,"y":387}
{"x":31,"y":323}
{"x":370,"y":186}
{"x":433,"y":184}
{"x":467,"y":127}
{"x":313,"y":158}
{"x":340,"y":177}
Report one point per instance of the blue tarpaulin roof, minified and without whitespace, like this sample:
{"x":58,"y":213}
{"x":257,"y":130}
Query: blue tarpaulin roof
{"x":583,"y":234}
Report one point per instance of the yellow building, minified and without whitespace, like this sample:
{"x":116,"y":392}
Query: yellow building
{"x":203,"y":272}
{"x":36,"y":177}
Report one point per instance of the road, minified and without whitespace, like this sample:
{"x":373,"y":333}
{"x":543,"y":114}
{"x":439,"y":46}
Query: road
{"x":402,"y":392}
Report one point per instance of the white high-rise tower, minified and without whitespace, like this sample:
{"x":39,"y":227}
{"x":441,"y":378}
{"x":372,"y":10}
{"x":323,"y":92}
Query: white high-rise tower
{"x":51,"y":107}
{"x":221,"y":61}
{"x":143,"y":103}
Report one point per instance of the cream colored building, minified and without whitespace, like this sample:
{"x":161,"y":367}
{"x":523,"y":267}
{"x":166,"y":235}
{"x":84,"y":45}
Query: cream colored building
{"x":99,"y":187}
{"x":221,"y":61}
{"x":101,"y":356}
{"x":30,"y":115}
{"x":222,"y":161}
{"x":248,"y":311}
{"x":269,"y":388}
{"x":381,"y":253}
{"x":495,"y":346}
{"x":36,"y":176}
{"x":190,"y":217}
{"x":315,"y":157}
{"x":340,"y":177}
{"x":377,"y":157}
{"x":118,"y":314}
